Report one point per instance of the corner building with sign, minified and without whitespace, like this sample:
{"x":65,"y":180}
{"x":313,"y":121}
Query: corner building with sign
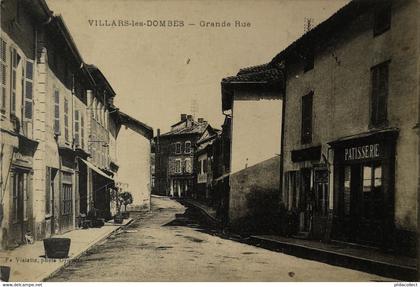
{"x":350,"y":127}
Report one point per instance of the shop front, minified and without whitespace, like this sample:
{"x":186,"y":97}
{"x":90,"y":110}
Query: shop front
{"x":97,"y":193}
{"x":20,"y":184}
{"x":364,"y":188}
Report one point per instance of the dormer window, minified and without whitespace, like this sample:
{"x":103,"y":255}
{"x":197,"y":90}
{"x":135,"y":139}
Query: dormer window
{"x":382,"y":18}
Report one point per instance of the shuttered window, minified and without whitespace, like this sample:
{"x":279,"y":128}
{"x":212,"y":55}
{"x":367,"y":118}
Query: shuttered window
{"x":28,"y":102}
{"x":379,"y":96}
{"x":66,"y":119}
{"x":307,"y":101}
{"x":56,"y":112}
{"x":3,"y":75}
{"x":13,"y":80}
{"x":82,"y":131}
{"x":77,"y":128}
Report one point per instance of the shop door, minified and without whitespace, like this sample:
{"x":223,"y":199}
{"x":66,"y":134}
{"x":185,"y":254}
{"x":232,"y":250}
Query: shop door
{"x":19,"y":187}
{"x":364,"y":202}
{"x":372,"y":204}
{"x":305,"y":202}
{"x":321,"y":202}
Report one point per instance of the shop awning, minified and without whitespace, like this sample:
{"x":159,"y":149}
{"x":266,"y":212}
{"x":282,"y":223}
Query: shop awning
{"x":96,"y":169}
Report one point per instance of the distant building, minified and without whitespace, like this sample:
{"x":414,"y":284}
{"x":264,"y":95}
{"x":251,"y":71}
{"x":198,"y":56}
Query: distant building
{"x":175,"y":173}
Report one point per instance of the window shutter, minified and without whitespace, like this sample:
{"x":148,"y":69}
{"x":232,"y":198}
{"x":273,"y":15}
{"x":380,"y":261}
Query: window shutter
{"x":56,"y":112}
{"x":3,"y":71}
{"x":76,"y":128}
{"x":66,"y":119}
{"x":28,"y":103}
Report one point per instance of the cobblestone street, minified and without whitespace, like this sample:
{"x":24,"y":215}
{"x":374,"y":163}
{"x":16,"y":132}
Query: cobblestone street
{"x":168,"y":245}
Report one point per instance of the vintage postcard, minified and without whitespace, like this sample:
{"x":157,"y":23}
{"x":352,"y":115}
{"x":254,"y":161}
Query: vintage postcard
{"x":209,"y":140}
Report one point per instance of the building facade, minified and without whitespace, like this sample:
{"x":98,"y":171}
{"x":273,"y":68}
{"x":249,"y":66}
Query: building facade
{"x":58,"y":143}
{"x":175,"y":172}
{"x":252,"y":99}
{"x":134,"y":141}
{"x":350,"y":169}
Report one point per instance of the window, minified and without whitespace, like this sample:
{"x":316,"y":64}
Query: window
{"x":82,"y":131}
{"x":76,"y":128}
{"x":15,"y":63}
{"x":372,"y":191}
{"x":379,"y":94}
{"x":3,"y":76}
{"x":188,"y":147}
{"x":178,"y":166}
{"x":382,"y":17}
{"x":292,"y":184}
{"x":188,"y":167}
{"x":28,"y":102}
{"x":308,"y":63}
{"x":178,"y":148}
{"x":66,"y":119}
{"x":205,"y":162}
{"x":307,"y":118}
{"x":66,"y":208}
{"x":56,"y":112}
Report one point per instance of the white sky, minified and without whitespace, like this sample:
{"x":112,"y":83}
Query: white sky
{"x":147,"y":67}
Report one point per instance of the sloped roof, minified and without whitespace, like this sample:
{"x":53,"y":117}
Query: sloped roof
{"x":195,"y":128}
{"x":125,"y":119}
{"x":262,"y":74}
{"x":268,"y":75}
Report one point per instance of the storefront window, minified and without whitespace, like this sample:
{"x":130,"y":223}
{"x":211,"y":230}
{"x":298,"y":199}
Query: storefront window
{"x":378,"y":177}
{"x":367,"y":179}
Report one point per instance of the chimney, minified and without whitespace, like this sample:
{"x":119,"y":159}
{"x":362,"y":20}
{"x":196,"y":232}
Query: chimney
{"x":183,"y":117}
{"x":200,"y":120}
{"x":190,"y":117}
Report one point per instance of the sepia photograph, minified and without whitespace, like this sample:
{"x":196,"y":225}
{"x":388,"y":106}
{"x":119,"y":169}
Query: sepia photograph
{"x":209,"y":141}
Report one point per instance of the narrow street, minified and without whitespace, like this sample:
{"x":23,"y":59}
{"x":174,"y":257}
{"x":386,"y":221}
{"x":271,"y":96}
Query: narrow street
{"x":168,"y":245}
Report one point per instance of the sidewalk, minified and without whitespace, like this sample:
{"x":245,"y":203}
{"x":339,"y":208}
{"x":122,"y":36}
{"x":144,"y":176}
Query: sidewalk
{"x":341,"y":254}
{"x":28,"y":263}
{"x":335,"y":253}
{"x":208,"y":211}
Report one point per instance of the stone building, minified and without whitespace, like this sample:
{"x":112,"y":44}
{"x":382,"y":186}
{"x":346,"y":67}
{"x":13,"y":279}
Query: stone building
{"x":58,"y":143}
{"x":19,"y":139}
{"x":175,"y":173}
{"x":351,"y":162}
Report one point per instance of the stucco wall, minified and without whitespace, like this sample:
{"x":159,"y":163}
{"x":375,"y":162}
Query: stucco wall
{"x":341,"y":82}
{"x":256,"y":130}
{"x":256,"y":136}
{"x":264,"y":175}
{"x":133,"y":153}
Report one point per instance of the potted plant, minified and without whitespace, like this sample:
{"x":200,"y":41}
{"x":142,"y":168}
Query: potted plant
{"x":126,"y":198}
{"x":4,"y":273}
{"x":57,"y":247}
